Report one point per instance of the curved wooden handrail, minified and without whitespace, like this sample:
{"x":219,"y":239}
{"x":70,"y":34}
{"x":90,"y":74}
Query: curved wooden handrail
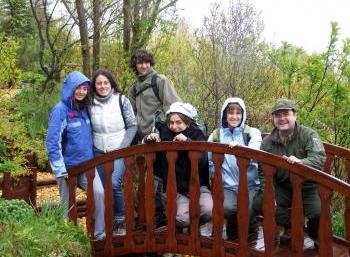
{"x":241,"y":151}
{"x":146,"y":239}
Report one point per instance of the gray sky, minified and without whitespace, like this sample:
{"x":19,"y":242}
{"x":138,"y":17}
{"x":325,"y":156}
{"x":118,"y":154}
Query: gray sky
{"x":304,"y":23}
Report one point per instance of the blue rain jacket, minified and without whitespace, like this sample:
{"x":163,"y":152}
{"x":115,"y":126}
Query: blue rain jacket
{"x":69,"y":137}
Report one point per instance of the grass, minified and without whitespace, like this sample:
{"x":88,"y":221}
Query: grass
{"x":45,"y":234}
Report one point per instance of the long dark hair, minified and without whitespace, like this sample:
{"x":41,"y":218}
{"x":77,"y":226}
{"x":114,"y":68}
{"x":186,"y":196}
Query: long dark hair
{"x":109,"y":76}
{"x":140,"y":56}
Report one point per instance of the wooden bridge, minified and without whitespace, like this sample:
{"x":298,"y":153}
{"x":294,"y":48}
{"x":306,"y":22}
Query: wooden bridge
{"x":142,"y":236}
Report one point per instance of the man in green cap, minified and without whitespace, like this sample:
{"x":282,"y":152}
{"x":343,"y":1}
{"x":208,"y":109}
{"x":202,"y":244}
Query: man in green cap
{"x":296,"y":144}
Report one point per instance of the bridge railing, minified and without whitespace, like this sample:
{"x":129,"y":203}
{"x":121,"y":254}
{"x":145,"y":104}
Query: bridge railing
{"x":141,"y":234}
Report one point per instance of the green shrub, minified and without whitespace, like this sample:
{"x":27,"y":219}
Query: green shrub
{"x":47,"y":234}
{"x":338,"y":224}
{"x":14,"y":210}
{"x":9,"y":72}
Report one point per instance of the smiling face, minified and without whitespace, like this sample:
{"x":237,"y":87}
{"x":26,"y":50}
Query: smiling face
{"x":234,"y":116}
{"x":176,"y":124}
{"x":81,"y":92}
{"x":102,"y":85}
{"x":143,"y":67}
{"x":284,"y":120}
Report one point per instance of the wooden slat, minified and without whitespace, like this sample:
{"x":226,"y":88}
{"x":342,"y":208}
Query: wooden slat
{"x":325,"y":229}
{"x":90,"y":204}
{"x":141,"y":209}
{"x":194,"y":243}
{"x":297,"y":217}
{"x":129,"y":204}
{"x":108,"y":169}
{"x":269,"y":209}
{"x":329,"y":163}
{"x":347,"y":207}
{"x":149,"y":202}
{"x":171,"y":202}
{"x":72,"y":207}
{"x":242,"y":206}
{"x":218,"y":208}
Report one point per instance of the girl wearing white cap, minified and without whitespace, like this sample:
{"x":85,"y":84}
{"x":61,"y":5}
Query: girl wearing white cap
{"x":181,"y":126}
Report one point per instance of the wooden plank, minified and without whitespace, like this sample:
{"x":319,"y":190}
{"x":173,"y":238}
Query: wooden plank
{"x":242,"y":206}
{"x":194,"y":243}
{"x":297,"y":217}
{"x":325,"y":228}
{"x":72,"y":207}
{"x":108,"y":170}
{"x":171,"y":202}
{"x":218,"y":206}
{"x":149,"y":202}
{"x":269,"y":209}
{"x":141,"y":209}
{"x":347,"y":208}
{"x":90,"y":203}
{"x":129,"y":205}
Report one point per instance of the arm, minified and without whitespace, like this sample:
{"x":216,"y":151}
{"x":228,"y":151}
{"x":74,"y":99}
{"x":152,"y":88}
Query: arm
{"x":255,"y":140}
{"x":315,"y":153}
{"x":56,"y":128}
{"x":167,"y":93}
{"x":131,"y":125}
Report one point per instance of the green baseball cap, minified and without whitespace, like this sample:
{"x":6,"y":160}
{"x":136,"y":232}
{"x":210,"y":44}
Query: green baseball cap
{"x":283,"y":104}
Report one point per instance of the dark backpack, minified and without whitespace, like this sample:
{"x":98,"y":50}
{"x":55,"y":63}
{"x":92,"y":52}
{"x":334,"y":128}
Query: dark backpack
{"x":246,"y":135}
{"x":121,"y":108}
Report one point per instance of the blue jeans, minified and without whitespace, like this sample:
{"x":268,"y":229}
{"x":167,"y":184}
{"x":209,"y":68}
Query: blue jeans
{"x":117,"y":186}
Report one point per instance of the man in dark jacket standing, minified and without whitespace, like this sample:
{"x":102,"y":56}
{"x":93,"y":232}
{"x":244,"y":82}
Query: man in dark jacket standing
{"x":296,"y":144}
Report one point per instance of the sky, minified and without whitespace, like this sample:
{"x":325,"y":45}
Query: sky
{"x":304,"y":23}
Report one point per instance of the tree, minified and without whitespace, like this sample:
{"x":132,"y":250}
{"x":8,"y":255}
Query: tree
{"x":229,"y":61}
{"x":55,"y":39}
{"x":140,"y":19}
{"x":15,"y":18}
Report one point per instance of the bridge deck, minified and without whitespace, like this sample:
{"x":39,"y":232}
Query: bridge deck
{"x":256,"y":245}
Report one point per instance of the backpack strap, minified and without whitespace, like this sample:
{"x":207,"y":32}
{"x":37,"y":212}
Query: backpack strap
{"x":216,"y":135}
{"x":154,"y":87}
{"x":246,"y":134}
{"x":122,"y":109}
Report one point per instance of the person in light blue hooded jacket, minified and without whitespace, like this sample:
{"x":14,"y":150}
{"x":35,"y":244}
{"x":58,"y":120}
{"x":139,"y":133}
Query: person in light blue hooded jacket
{"x":233,"y":131}
{"x":69,"y":143}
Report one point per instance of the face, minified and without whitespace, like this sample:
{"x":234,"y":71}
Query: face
{"x":176,"y":124}
{"x":234,"y":117}
{"x":143,"y":67}
{"x":284,"y":120}
{"x":81,"y":92}
{"x":102,"y":85}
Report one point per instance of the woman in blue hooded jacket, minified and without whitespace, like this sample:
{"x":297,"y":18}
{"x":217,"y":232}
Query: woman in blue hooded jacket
{"x":234,"y":131}
{"x":69,"y":142}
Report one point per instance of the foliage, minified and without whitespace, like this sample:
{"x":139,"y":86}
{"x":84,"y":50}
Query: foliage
{"x":47,"y":234}
{"x":338,"y":224}
{"x":16,"y":18}
{"x":14,"y":210}
{"x":9,"y":72}
{"x":15,"y":139}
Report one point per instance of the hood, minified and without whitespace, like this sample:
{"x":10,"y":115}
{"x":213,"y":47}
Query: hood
{"x":70,"y":84}
{"x":232,"y":100}
{"x":184,"y":108}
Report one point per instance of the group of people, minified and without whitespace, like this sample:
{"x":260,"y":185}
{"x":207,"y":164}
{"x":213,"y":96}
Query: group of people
{"x":94,"y":118}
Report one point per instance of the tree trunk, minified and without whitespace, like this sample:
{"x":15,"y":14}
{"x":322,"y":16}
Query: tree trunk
{"x":84,"y":38}
{"x":97,"y":35}
{"x":127,"y":25}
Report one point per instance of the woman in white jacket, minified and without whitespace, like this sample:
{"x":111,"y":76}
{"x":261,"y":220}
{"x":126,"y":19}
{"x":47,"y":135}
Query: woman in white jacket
{"x":114,"y":127}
